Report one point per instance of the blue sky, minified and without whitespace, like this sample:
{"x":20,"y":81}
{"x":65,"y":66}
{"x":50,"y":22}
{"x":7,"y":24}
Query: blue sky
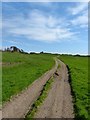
{"x":57,"y":27}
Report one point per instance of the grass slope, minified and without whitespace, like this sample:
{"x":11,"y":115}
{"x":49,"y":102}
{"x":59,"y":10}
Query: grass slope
{"x":20,"y":70}
{"x":79,"y":82}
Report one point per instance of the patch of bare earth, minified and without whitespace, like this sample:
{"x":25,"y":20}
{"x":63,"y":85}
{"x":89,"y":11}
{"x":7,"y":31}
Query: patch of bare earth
{"x":0,"y":115}
{"x":58,"y":103}
{"x":0,"y":63}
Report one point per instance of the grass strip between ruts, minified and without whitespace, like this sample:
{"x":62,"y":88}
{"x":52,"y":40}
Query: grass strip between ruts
{"x":40,"y":100}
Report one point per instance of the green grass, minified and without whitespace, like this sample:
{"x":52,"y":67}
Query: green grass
{"x":22,"y":71}
{"x":25,"y":68}
{"x":79,"y":81}
{"x":40,"y":100}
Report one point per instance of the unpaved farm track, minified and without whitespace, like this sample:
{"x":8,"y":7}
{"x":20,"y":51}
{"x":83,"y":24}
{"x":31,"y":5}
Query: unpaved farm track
{"x":20,"y":104}
{"x":58,"y":103}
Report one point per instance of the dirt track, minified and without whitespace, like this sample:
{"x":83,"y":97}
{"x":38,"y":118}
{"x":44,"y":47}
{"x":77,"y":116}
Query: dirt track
{"x":0,"y":115}
{"x":20,"y":104}
{"x":58,"y":104}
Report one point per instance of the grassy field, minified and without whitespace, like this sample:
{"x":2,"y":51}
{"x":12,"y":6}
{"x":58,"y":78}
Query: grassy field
{"x":79,"y":81}
{"x":20,"y":70}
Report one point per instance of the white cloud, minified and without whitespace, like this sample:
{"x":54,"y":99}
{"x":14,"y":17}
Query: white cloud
{"x":80,"y":15}
{"x":81,"y":20}
{"x":38,"y":26}
{"x":12,"y":41}
{"x":77,"y":9}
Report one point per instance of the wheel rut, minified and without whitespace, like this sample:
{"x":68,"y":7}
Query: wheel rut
{"x":58,"y":103}
{"x":19,"y":105}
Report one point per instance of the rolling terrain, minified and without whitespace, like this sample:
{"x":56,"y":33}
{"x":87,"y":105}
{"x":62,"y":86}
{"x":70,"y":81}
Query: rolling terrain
{"x":20,"y":70}
{"x":25,"y":75}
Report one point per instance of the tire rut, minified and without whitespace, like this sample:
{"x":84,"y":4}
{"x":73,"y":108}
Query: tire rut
{"x":19,"y":105}
{"x":58,"y":103}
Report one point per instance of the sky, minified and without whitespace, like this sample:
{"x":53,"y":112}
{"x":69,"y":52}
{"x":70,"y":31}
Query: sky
{"x":57,"y":27}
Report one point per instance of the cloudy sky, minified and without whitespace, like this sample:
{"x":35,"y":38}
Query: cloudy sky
{"x":60,"y":27}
